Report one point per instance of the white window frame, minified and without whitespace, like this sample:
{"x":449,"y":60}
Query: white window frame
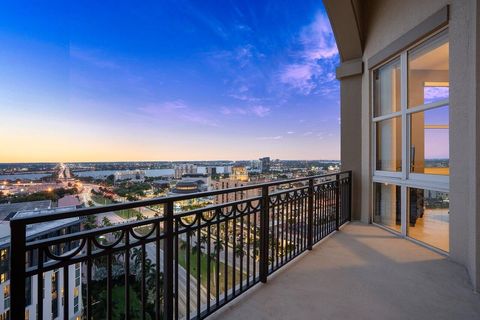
{"x":405,"y":179}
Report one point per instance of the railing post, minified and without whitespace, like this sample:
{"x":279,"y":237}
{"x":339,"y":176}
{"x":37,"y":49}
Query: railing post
{"x":17,"y":268}
{"x":168,"y":294}
{"x":263,"y":268}
{"x":337,"y":201}
{"x":310,"y":215}
{"x":350,"y":196}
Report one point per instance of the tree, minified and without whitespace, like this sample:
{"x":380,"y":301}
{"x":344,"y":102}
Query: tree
{"x":90,"y":222}
{"x":239,"y":250}
{"x":218,"y":246}
{"x":106,"y":222}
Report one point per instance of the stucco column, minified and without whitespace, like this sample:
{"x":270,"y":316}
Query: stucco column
{"x":464,"y":110}
{"x":351,"y":127}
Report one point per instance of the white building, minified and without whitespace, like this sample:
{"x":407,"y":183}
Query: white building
{"x":53,"y":280}
{"x":131,"y":175}
{"x":184,"y":168}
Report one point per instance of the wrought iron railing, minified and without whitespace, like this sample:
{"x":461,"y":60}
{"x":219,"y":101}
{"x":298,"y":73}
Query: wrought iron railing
{"x":175,"y":265}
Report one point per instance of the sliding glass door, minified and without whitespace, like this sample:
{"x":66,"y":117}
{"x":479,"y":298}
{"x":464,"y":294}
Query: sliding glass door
{"x":410,"y":125}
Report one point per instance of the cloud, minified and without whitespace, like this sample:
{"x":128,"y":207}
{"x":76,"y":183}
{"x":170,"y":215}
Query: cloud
{"x":318,"y":40}
{"x":270,"y":138}
{"x":244,"y":97}
{"x":308,"y":133}
{"x":93,"y":57}
{"x":313,"y":66}
{"x":233,"y":111}
{"x":258,"y":110}
{"x":290,"y":132}
{"x":178,"y":109}
{"x":433,"y":94}
{"x":299,"y":76}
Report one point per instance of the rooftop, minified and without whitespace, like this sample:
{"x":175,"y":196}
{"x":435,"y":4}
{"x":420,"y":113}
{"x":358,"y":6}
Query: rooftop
{"x":362,"y":272}
{"x":9,"y":209}
{"x":38,"y":228}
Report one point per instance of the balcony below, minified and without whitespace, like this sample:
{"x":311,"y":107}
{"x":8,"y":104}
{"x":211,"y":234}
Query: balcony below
{"x":362,"y":272}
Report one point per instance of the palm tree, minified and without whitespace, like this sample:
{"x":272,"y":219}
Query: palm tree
{"x":198,"y":246}
{"x":239,"y":251}
{"x":106,"y":222}
{"x":136,"y":256}
{"x":90,"y":222}
{"x":218,"y":246}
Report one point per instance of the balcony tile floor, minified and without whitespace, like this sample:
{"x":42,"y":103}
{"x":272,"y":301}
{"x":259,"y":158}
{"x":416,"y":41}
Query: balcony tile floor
{"x":362,"y":272}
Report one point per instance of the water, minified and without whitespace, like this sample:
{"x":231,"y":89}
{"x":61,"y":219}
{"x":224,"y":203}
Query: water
{"x":102,"y":174}
{"x":23,"y":176}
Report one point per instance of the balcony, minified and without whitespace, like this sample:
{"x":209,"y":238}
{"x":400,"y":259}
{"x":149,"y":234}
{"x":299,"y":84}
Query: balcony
{"x":363,"y":272}
{"x":171,"y":264}
{"x":189,"y":265}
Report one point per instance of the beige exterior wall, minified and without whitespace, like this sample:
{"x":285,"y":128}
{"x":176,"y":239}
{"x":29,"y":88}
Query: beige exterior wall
{"x":350,"y":140}
{"x":233,"y":196}
{"x":381,"y":22}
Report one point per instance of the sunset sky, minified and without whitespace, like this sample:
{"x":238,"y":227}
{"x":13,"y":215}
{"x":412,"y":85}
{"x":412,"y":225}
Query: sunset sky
{"x":167,"y":80}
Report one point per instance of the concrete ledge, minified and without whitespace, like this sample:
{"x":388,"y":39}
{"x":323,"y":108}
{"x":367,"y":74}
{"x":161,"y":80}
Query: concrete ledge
{"x":349,"y":68}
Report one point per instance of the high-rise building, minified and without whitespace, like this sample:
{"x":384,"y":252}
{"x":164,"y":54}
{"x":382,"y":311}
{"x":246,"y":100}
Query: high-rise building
{"x":211,"y":170}
{"x":234,"y":196}
{"x":265,"y":164}
{"x":53,"y":281}
{"x":184,"y":168}
{"x":239,"y":173}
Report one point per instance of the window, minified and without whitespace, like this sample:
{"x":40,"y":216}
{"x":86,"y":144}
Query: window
{"x":6,"y":296}
{"x":410,"y":125}
{"x":428,"y":217}
{"x":387,"y":89}
{"x":389,"y":145}
{"x":75,"y":300}
{"x":54,"y":284}
{"x":3,"y":254}
{"x":429,"y":142}
{"x":387,"y":205}
{"x":5,"y":315}
{"x":77,"y":274}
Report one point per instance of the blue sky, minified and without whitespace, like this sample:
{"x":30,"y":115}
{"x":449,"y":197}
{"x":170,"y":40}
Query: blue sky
{"x":167,"y":80}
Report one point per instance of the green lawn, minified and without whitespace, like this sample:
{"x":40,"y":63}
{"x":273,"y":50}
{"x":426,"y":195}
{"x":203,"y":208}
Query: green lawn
{"x":118,"y":302}
{"x":101,"y":200}
{"x":203,"y":270}
{"x":127,"y":213}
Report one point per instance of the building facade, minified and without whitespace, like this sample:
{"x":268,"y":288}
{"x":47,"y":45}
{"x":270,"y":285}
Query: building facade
{"x":409,"y":86}
{"x":239,"y":173}
{"x":131,"y":175}
{"x":233,"y":196}
{"x":265,"y":166}
{"x":185,"y":168}
{"x":53,"y":281}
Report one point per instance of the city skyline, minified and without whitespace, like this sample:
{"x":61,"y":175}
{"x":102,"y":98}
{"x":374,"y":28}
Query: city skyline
{"x":168,"y":81}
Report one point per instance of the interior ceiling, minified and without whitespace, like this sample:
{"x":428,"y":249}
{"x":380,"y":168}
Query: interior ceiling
{"x":436,"y":59}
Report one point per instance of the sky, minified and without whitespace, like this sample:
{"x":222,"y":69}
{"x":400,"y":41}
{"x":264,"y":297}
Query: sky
{"x":167,"y":80}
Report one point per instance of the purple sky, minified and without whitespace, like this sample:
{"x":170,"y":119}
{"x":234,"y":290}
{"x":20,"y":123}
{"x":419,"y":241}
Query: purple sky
{"x":167,"y":80}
